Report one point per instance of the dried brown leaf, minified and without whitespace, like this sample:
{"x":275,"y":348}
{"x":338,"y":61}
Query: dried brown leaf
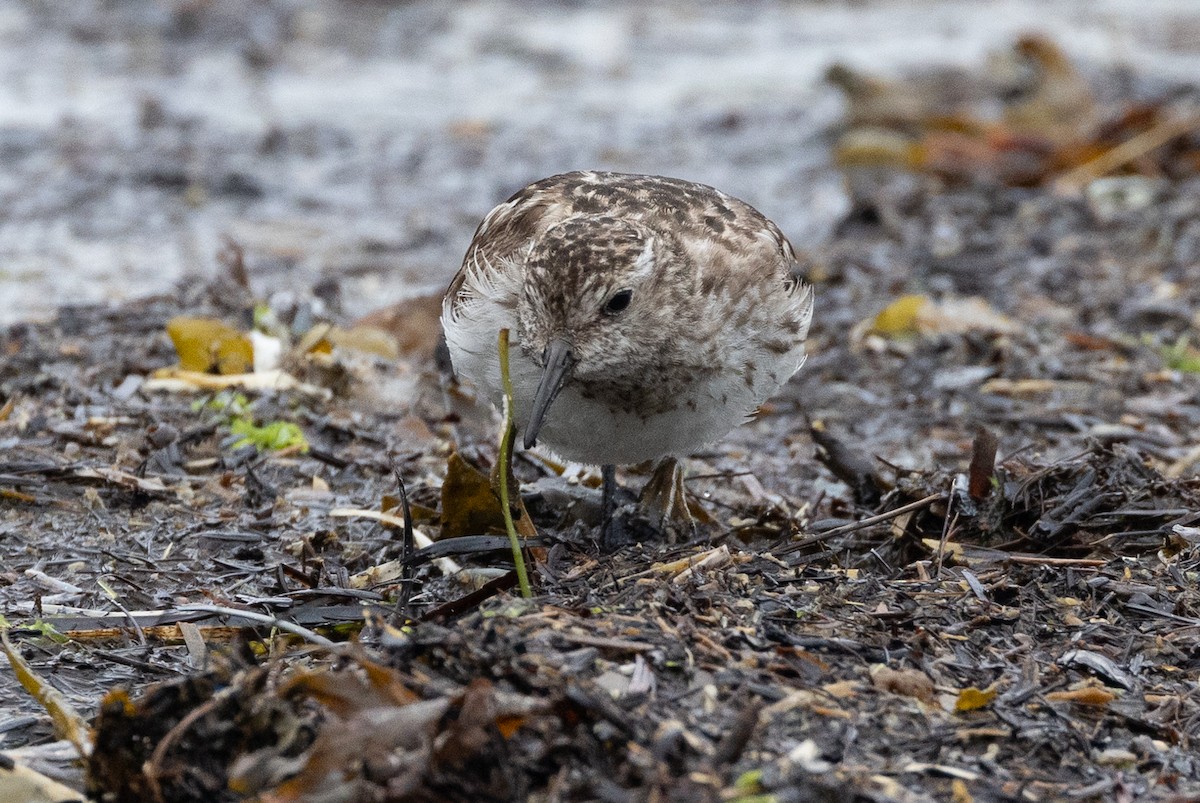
{"x":906,"y":682}
{"x":469,"y":506}
{"x":413,"y":325}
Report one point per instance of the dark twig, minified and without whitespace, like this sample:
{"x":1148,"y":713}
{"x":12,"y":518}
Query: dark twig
{"x":608,"y":496}
{"x":738,"y":736}
{"x":152,"y":769}
{"x":408,"y":573}
{"x":947,"y":527}
{"x":983,"y":464}
{"x":473,"y":600}
{"x":859,"y":525}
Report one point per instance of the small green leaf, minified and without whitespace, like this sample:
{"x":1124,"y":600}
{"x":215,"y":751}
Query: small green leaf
{"x":47,"y":630}
{"x":269,"y":437}
{"x":749,"y":781}
{"x":1181,"y":356}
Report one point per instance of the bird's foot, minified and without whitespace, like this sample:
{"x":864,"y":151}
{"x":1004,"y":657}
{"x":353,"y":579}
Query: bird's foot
{"x":665,"y":502}
{"x":664,"y":510}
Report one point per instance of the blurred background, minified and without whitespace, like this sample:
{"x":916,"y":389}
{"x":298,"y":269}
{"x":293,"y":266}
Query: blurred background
{"x":359,"y":142}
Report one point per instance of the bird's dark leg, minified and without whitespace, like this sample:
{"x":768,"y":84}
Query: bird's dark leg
{"x":608,"y":499}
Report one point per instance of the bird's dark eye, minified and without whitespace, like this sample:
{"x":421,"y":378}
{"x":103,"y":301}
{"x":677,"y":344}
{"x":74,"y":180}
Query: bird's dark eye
{"x":618,"y":302}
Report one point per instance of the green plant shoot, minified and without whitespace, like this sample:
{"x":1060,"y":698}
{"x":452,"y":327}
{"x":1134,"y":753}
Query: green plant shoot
{"x":506,"y":445}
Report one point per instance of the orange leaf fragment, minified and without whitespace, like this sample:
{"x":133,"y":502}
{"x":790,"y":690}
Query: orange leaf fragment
{"x":959,"y":791}
{"x":508,"y":725}
{"x":1090,"y":695}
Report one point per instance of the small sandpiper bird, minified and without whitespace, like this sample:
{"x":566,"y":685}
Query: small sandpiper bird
{"x":648,"y":316}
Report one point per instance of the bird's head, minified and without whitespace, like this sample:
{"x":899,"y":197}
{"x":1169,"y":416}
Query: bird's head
{"x":589,"y":289}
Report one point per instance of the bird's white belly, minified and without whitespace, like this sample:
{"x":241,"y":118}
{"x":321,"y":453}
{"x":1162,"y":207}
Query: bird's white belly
{"x":590,"y":431}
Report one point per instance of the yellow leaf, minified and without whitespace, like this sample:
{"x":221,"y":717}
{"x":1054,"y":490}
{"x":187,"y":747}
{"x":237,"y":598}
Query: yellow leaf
{"x":962,"y":315}
{"x":207,"y":345}
{"x":365,"y":338}
{"x":899,"y":317}
{"x":68,"y":723}
{"x":918,"y":314}
{"x":875,"y":147}
{"x":971,"y":698}
{"x":323,"y":338}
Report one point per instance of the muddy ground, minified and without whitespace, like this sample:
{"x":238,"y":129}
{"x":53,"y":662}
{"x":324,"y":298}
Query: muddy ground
{"x":955,"y":558}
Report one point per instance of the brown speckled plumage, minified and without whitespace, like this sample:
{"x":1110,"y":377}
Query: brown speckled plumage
{"x":715,"y":319}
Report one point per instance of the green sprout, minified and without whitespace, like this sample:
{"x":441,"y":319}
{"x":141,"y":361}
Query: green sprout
{"x":1181,"y":356}
{"x":505,"y":461}
{"x":43,"y":629}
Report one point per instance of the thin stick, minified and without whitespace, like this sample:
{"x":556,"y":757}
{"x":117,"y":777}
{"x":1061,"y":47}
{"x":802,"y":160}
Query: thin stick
{"x":506,"y":441}
{"x":408,"y":575}
{"x":1038,"y":560}
{"x":1132,"y":148}
{"x":280,"y":624}
{"x":947,"y":528}
{"x":858,"y":525}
